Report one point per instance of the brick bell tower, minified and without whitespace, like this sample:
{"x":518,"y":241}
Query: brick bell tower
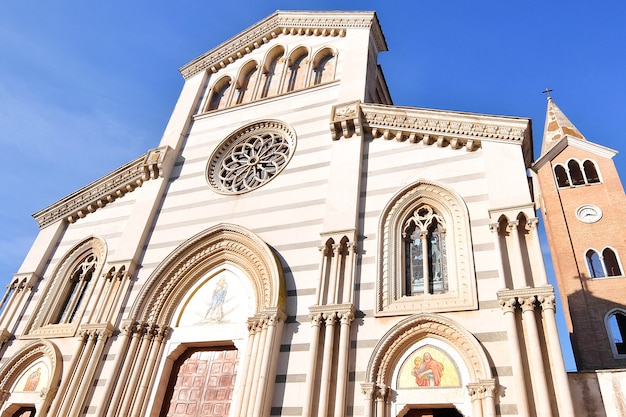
{"x":584,"y":210}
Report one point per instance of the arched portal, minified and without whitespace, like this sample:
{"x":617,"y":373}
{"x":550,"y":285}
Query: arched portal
{"x":428,"y":363}
{"x":29,"y":380}
{"x":215,"y":301}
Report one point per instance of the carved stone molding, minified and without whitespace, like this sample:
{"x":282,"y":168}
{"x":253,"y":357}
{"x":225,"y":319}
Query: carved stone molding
{"x":527,"y":298}
{"x":443,"y":128}
{"x":108,"y":188}
{"x":284,"y":23}
{"x":407,"y":332}
{"x":223,"y":243}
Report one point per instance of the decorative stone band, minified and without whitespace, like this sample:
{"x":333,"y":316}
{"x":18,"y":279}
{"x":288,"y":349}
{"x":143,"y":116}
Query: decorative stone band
{"x":527,"y":298}
{"x":444,"y":128}
{"x":330,"y":313}
{"x":109,"y":188}
{"x":284,"y":23}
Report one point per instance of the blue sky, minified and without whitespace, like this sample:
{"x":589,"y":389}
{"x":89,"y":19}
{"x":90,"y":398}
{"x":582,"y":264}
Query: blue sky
{"x":88,"y":86}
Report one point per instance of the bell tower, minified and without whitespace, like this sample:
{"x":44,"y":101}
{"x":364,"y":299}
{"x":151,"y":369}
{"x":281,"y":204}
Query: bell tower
{"x":584,"y":210}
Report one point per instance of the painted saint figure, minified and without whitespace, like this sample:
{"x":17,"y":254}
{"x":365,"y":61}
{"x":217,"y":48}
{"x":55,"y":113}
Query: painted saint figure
{"x":216,"y":311}
{"x":427,"y":371}
{"x":33,"y":380}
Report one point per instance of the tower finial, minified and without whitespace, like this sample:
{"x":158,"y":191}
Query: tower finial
{"x":547,"y":91}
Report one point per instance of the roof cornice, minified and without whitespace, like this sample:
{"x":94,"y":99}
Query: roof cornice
{"x":569,"y":141}
{"x":108,"y":188}
{"x":284,"y":22}
{"x":445,"y":128}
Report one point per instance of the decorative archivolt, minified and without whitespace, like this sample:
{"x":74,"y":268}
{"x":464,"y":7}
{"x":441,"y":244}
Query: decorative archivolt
{"x":59,"y":280}
{"x":11,"y":371}
{"x":406,"y":333}
{"x":462,"y":294}
{"x":221,"y":244}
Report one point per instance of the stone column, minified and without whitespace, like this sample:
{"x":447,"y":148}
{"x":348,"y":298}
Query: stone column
{"x":65,"y":383}
{"x":563,"y":394}
{"x":155,"y":347}
{"x":517,"y":270}
{"x":258,"y":353}
{"x":342,"y":363}
{"x":539,"y":266}
{"x":322,"y":284}
{"x":77,"y":374}
{"x":489,"y":406}
{"x":349,"y":276}
{"x":313,"y":350}
{"x":137,"y":371}
{"x":381,"y":392}
{"x":131,"y":330}
{"x":327,"y":360}
{"x":248,"y":369}
{"x":495,"y":230}
{"x":368,"y":391}
{"x":474,"y":390}
{"x":425,"y":263}
{"x":508,"y":308}
{"x":264,"y":375}
{"x":533,"y":346}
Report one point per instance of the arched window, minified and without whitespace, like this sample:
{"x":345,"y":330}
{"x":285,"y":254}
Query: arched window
{"x":594,"y":264}
{"x":425,"y":254}
{"x":591,"y":173}
{"x":324,"y":67}
{"x":425,"y":260}
{"x":246,"y":83}
{"x":616,"y":326}
{"x":575,"y":172}
{"x":220,"y":93}
{"x":77,"y":289}
{"x":562,"y":178}
{"x":606,"y":265}
{"x":272,"y":73}
{"x":611,"y":263}
{"x":297,"y":71}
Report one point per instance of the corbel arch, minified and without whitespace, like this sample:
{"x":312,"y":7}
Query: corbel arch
{"x":12,"y":371}
{"x":220,"y":244}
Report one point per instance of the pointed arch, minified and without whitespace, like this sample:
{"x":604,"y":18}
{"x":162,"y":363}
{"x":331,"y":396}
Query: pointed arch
{"x":20,"y":362}
{"x":460,"y":291}
{"x":70,"y":289}
{"x":220,"y":244}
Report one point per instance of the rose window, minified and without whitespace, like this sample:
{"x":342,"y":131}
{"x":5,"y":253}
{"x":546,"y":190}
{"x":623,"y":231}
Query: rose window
{"x":251,"y":157}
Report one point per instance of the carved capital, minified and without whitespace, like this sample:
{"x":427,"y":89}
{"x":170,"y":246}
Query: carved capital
{"x":508,"y":305}
{"x":330,"y":318}
{"x":346,"y":317}
{"x":494,"y":227}
{"x":528,"y":304}
{"x":381,"y":392}
{"x":547,"y":302}
{"x":316,"y":319}
{"x":367,"y":388}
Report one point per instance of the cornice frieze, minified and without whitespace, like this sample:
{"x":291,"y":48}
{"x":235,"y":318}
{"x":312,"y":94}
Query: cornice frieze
{"x":284,"y":23}
{"x":106,"y":189}
{"x":444,"y":128}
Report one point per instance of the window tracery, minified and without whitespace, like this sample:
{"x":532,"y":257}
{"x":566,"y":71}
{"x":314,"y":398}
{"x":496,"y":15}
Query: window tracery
{"x":323,"y":67}
{"x":297,"y":70}
{"x":421,"y":226}
{"x":220,"y":94}
{"x":425,"y":253}
{"x":251,"y":157}
{"x":80,"y":281}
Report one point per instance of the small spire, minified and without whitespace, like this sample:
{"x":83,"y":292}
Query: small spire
{"x":557,"y":126}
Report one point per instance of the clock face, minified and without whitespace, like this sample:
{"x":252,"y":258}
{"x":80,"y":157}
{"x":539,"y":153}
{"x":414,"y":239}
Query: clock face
{"x":588,"y":213}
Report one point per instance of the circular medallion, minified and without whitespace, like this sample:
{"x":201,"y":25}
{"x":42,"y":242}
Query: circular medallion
{"x":251,"y":157}
{"x":589,"y":213}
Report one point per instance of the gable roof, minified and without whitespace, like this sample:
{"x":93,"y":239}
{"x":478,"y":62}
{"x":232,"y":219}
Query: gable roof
{"x":311,"y":23}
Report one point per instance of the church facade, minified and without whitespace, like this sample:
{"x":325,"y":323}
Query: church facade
{"x":294,"y":246}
